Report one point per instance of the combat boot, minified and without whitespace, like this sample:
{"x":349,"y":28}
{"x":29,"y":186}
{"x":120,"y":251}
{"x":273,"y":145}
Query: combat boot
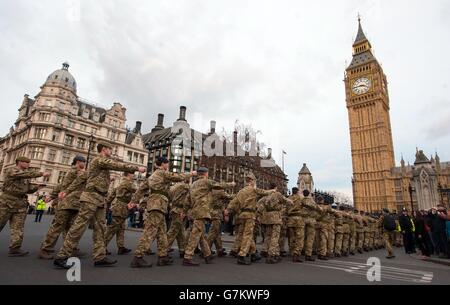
{"x":221,"y":253}
{"x":366,"y":249}
{"x":310,"y":258}
{"x":337,"y":255}
{"x":233,"y":253}
{"x":255,"y":257}
{"x":149,"y":252}
{"x":263,"y":253}
{"x":45,"y":255}
{"x":208,"y":259}
{"x":242,"y":261}
{"x":345,"y":254}
{"x":297,"y":259}
{"x":181,"y":254}
{"x":271,"y":260}
{"x":17,"y":252}
{"x":322,"y":258}
{"x":360,"y":251}
{"x":61,"y":263}
{"x":171,"y":250}
{"x":123,"y":251}
{"x":283,"y":254}
{"x":352,"y":253}
{"x":105,"y":262}
{"x":164,"y":261}
{"x":197,"y":251}
{"x":190,"y":263}
{"x":139,"y":262}
{"x":390,"y":256}
{"x":108,"y":252}
{"x":330,"y":255}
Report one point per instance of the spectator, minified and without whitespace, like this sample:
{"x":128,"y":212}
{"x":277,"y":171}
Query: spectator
{"x":438,"y":219}
{"x":421,"y":234}
{"x":40,"y":208}
{"x":407,"y":229}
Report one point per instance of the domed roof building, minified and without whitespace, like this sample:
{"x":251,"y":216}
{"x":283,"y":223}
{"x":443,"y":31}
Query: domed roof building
{"x":62,"y":78}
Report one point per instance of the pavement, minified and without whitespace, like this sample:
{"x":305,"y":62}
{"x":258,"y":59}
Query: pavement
{"x":403,"y":270}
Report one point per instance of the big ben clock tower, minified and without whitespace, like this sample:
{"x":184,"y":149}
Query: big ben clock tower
{"x":372,"y":149}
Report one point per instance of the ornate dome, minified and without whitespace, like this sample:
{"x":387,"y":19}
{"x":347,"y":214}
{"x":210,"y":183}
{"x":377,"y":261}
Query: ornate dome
{"x":62,"y":78}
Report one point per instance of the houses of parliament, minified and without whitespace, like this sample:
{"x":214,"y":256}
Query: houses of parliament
{"x":377,"y":182}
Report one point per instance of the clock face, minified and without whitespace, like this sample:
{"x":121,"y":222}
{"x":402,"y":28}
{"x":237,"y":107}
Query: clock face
{"x":361,"y":85}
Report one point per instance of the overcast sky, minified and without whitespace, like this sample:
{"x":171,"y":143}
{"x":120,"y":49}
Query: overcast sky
{"x":278,"y":65}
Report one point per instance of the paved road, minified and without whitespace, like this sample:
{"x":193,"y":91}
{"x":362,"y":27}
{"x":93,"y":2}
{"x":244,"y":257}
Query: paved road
{"x":352,"y":271}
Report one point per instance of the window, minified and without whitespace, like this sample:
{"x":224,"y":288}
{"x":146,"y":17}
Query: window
{"x":56,"y":135}
{"x":37,"y":152}
{"x":65,"y":159}
{"x":40,"y":133}
{"x":59,"y":119}
{"x":61,"y":176}
{"x":81,"y":143}
{"x":52,"y":155}
{"x":83,"y":127}
{"x":94,"y":130}
{"x":141,"y":158}
{"x":47,"y":179}
{"x":129,"y":156}
{"x":44,"y":116}
{"x":68,"y":140}
{"x":71,"y":124}
{"x":62,"y":105}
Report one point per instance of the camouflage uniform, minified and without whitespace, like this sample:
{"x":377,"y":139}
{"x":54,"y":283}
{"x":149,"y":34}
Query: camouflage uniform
{"x":200,"y":206}
{"x":296,"y":214}
{"x":310,"y":223}
{"x":122,"y":196}
{"x":220,"y":200}
{"x":346,"y":228}
{"x":332,"y":233}
{"x":245,"y":203}
{"x":93,"y":207}
{"x":13,"y":202}
{"x":359,"y":232}
{"x":352,"y":235}
{"x":179,"y":197}
{"x":238,"y":228}
{"x":283,"y":231}
{"x":325,"y":220}
{"x":72,"y":185}
{"x":366,"y":231}
{"x":271,"y":208}
{"x":158,"y":184}
{"x":339,"y":230}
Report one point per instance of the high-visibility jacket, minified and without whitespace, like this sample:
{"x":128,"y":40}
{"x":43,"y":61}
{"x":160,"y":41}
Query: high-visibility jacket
{"x":40,"y":205}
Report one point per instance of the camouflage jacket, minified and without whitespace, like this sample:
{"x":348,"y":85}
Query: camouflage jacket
{"x":245,"y":202}
{"x":68,"y":179}
{"x":157,"y":186}
{"x":121,"y":196}
{"x":310,"y":208}
{"x":73,"y":192}
{"x":98,"y":180}
{"x":295,"y":212}
{"x":202,"y":198}
{"x":327,"y":215}
{"x":273,"y":208}
{"x":220,"y":199}
{"x":16,"y":187}
{"x":359,"y":222}
{"x":179,"y":197}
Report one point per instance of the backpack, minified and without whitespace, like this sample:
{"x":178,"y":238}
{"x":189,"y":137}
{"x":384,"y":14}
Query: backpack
{"x":389,"y":223}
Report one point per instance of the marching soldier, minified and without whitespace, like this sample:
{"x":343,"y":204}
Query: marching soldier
{"x":14,"y":201}
{"x":238,"y":235}
{"x":119,"y":207}
{"x":332,"y":232}
{"x":220,"y":200}
{"x":359,"y":231}
{"x":179,"y":197}
{"x":348,"y":220}
{"x":93,"y":208}
{"x":70,"y":191}
{"x":352,"y":235}
{"x":245,"y":203}
{"x":325,"y":221}
{"x":339,"y":230}
{"x":201,"y":196}
{"x":366,"y":230}
{"x":310,"y":217}
{"x":296,"y":214}
{"x":157,"y":186}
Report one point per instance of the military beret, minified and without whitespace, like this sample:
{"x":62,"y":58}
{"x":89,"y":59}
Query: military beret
{"x":23,"y":159}
{"x":202,"y":170}
{"x":104,"y":144}
{"x":386,"y":210}
{"x":250,"y":176}
{"x":161,"y":160}
{"x":78,"y":158}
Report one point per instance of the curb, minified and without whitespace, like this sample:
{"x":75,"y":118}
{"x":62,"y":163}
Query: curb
{"x":445,"y":262}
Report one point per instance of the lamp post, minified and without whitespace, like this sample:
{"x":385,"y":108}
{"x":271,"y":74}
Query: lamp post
{"x":91,"y":139}
{"x":410,"y":189}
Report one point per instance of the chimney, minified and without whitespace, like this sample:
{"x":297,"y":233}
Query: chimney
{"x":182,"y":114}
{"x":159,"y":125}
{"x":138,"y":127}
{"x":269,"y":152}
{"x":235,"y":142}
{"x":213,"y":127}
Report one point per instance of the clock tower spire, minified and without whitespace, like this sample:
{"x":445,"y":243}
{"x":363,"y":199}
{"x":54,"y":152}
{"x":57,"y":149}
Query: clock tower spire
{"x":372,"y":149}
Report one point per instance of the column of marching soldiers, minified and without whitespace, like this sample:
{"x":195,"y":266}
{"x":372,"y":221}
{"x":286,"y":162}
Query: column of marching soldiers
{"x":311,"y":226}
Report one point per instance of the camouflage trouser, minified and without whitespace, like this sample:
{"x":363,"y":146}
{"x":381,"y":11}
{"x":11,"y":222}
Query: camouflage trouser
{"x":88,"y":212}
{"x":324,"y":229}
{"x":176,"y":231}
{"x":238,"y":237}
{"x":331,"y":239}
{"x":117,"y":228}
{"x":271,"y":242}
{"x":283,"y":234}
{"x":62,"y":222}
{"x":366,"y":238}
{"x":352,"y":238}
{"x":154,"y":228}
{"x":389,"y":238}
{"x":359,"y":239}
{"x":214,"y":236}
{"x":257,"y":231}
{"x":345,"y":238}
{"x":16,"y":220}
{"x":297,"y":235}
{"x":310,"y":235}
{"x":338,"y":239}
{"x":248,"y":243}
{"x":371,"y":239}
{"x":197,"y":236}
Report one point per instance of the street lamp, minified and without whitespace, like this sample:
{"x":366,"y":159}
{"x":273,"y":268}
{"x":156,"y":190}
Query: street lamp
{"x":410,"y":189}
{"x":91,"y":139}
